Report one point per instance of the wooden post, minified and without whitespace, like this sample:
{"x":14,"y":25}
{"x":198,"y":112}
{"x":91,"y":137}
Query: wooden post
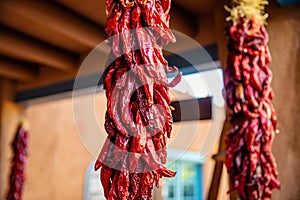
{"x":9,"y":113}
{"x":220,"y":159}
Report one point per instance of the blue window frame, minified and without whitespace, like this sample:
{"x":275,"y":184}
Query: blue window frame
{"x":187,"y":184}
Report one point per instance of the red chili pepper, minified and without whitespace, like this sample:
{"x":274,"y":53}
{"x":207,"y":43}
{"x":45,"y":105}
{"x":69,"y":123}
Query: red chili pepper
{"x":17,"y":174}
{"x":123,"y":185}
{"x":121,"y":147}
{"x":106,"y":149}
{"x":249,"y":160}
{"x":164,"y":91}
{"x":126,"y":34}
{"x":109,"y":125}
{"x":109,"y":5}
{"x":113,"y":192}
{"x":135,"y":184}
{"x":169,"y":120}
{"x":105,"y":177}
{"x":110,"y":73}
{"x":166,"y":5}
{"x":147,"y":82}
{"x":113,"y":19}
{"x":129,"y":88}
{"x":138,"y":117}
{"x":176,"y":80}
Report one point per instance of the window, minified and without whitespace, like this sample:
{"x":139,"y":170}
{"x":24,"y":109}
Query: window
{"x":186,"y":185}
{"x":92,"y":187}
{"x":203,"y":84}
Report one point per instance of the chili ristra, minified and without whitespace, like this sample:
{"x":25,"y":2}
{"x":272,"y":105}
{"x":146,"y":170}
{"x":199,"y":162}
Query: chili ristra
{"x":138,"y":119}
{"x":249,"y":159}
{"x":17,"y":174}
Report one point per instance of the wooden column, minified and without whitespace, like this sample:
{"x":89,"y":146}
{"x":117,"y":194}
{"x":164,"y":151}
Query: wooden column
{"x":9,"y":117}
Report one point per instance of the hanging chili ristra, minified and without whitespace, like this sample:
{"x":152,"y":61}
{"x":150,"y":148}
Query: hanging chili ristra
{"x":17,"y":174}
{"x":249,"y":159}
{"x":138,"y":118}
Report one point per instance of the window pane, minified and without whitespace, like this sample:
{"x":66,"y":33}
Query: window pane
{"x":170,"y":191}
{"x":188,"y":190}
{"x":188,"y":172}
{"x":186,"y":184}
{"x":203,"y":84}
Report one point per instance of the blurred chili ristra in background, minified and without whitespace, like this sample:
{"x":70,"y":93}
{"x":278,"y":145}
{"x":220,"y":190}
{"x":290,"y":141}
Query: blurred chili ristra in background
{"x":249,"y":159}
{"x":17,"y":174}
{"x":138,"y":118}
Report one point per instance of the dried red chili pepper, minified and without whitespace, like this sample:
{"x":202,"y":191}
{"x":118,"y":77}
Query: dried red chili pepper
{"x":17,"y":174}
{"x":105,"y":175}
{"x":138,"y":118}
{"x":249,"y":160}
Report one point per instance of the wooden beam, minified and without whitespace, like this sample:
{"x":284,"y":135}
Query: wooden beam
{"x":8,"y":90}
{"x":16,"y":45}
{"x":183,"y":21}
{"x":16,"y":71}
{"x":55,"y":18}
{"x":92,"y":9}
{"x":197,"y":7}
{"x":185,"y":110}
{"x":33,"y":29}
{"x":47,"y":77}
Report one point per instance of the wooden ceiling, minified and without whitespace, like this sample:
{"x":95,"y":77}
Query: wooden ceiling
{"x":43,"y":42}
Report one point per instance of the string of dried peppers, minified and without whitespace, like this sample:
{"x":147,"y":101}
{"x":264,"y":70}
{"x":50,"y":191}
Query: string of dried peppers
{"x":138,"y":118}
{"x":17,"y":174}
{"x":249,"y":159}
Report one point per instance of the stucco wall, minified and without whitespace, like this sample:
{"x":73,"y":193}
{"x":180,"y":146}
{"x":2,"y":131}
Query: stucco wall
{"x":57,"y":160}
{"x":284,"y":32}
